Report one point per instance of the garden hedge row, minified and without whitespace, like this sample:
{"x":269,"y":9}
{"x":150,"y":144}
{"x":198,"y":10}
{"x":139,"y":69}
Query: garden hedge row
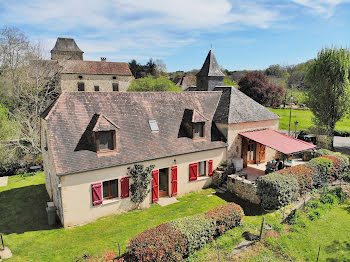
{"x":277,"y":189}
{"x":176,"y":239}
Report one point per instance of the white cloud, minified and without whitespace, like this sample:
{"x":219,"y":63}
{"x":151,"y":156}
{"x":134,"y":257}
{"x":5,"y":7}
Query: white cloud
{"x":324,"y":8}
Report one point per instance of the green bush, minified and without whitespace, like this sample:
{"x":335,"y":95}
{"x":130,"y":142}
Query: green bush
{"x":322,"y":171}
{"x":329,"y":199}
{"x":295,"y":218}
{"x":276,"y":190}
{"x":315,"y":213}
{"x":323,"y":152}
{"x":226,"y":216}
{"x":197,"y":230}
{"x":337,"y":192}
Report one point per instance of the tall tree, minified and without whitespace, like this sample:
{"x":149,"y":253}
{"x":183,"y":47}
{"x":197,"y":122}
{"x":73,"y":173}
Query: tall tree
{"x":329,"y":94}
{"x":257,"y":86}
{"x":151,"y":84}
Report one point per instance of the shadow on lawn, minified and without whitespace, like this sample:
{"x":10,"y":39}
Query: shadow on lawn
{"x":249,"y":208}
{"x":347,"y":207}
{"x":339,"y":248}
{"x":24,"y":209}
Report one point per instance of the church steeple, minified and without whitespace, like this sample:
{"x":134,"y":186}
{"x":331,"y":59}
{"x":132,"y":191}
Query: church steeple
{"x":210,"y":74}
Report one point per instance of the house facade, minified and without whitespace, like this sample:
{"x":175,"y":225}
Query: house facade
{"x":76,"y":74}
{"x":90,"y":139}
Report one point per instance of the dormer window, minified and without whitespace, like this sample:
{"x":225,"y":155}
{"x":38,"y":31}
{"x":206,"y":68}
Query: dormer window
{"x":198,"y":130}
{"x":105,"y":141}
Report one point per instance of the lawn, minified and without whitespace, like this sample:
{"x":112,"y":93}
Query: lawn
{"x":23,"y":219}
{"x":304,"y":117}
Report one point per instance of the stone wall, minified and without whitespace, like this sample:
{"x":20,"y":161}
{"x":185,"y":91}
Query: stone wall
{"x":243,"y":188}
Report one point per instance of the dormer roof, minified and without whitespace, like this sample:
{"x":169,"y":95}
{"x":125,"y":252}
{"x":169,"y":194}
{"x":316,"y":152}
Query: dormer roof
{"x":210,"y":66}
{"x":104,"y":124}
{"x":198,"y":117}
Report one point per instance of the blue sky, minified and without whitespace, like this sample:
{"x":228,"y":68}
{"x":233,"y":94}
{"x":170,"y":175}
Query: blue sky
{"x":245,"y":34}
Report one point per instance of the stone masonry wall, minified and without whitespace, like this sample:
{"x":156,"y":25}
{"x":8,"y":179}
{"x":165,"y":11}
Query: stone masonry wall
{"x":243,"y":188}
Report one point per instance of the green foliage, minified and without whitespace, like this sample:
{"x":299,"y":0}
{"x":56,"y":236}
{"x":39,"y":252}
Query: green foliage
{"x":229,"y":82}
{"x":197,"y":230}
{"x":276,"y":190}
{"x":304,"y":176}
{"x":323,"y":169}
{"x":329,"y":94}
{"x":151,"y":84}
{"x":323,"y":152}
{"x":142,"y":179}
{"x":226,"y":217}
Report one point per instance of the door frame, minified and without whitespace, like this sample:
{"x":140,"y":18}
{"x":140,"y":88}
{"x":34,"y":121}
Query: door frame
{"x":258,"y":153}
{"x":160,"y":192}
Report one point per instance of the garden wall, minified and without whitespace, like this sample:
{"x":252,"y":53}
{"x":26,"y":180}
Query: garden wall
{"x":243,"y":188}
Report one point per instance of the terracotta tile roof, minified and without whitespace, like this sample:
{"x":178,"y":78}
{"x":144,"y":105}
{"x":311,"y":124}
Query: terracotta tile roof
{"x":95,"y":67}
{"x":75,"y":114}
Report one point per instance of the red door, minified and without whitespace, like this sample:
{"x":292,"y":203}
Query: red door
{"x":155,"y":185}
{"x":174,"y":181}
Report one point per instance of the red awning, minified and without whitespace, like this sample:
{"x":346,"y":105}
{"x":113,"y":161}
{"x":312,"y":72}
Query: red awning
{"x":278,"y":141}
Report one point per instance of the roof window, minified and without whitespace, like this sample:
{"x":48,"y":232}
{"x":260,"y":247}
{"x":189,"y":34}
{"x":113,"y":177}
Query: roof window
{"x":153,"y":125}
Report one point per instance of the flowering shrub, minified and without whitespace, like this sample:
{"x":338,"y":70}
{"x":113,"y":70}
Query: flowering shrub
{"x":161,"y":243}
{"x":303,"y":174}
{"x":197,"y":230}
{"x":226,"y":216}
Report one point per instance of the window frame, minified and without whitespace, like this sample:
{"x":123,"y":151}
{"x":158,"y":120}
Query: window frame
{"x":97,"y":142}
{"x":83,"y":84}
{"x":205,"y":169}
{"x":97,"y":88}
{"x":194,"y":130}
{"x":109,"y":189}
{"x":117,"y":85}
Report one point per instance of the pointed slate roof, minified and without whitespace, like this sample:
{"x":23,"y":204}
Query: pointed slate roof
{"x":66,"y":44}
{"x":104,"y":124}
{"x":236,"y":107}
{"x":210,"y":66}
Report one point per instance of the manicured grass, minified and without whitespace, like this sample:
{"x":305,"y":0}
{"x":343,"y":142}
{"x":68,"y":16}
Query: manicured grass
{"x":304,"y":117}
{"x":23,"y":218}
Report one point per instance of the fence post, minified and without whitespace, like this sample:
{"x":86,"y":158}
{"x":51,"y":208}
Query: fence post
{"x":318,"y":254}
{"x":262,"y":227}
{"x":2,"y":242}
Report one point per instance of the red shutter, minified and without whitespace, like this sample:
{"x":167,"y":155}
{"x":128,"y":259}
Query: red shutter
{"x":155,"y":186}
{"x":193,"y":171}
{"x":174,"y":181}
{"x":96,"y":190}
{"x":124,"y":184}
{"x":210,"y":167}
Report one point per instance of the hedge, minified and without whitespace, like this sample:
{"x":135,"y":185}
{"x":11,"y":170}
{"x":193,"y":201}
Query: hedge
{"x":303,"y":174}
{"x":176,"y":239}
{"x":227,"y":216}
{"x":197,"y":231}
{"x":322,"y":171}
{"x":276,"y":190}
{"x":161,"y":243}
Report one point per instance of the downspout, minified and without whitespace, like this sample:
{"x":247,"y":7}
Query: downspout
{"x":61,"y":202}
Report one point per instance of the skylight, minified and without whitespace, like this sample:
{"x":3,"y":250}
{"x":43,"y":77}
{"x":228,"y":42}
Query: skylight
{"x":153,"y":125}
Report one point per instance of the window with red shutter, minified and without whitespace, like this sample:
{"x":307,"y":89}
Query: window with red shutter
{"x":210,"y":167}
{"x":193,"y":171}
{"x":96,"y":190}
{"x":174,"y":181}
{"x":124,"y":184}
{"x":155,"y":185}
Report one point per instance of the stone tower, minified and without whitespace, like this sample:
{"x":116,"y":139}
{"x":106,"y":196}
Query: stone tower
{"x":210,"y":75}
{"x":66,"y":49}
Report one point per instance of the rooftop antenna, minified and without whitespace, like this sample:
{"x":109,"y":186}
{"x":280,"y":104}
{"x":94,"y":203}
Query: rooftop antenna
{"x":211,"y":46}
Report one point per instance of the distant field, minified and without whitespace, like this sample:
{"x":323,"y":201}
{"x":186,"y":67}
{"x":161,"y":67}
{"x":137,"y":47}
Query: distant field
{"x":305,"y":120}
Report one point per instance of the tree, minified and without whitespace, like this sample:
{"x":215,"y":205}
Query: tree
{"x":329,"y":93}
{"x":141,"y":180}
{"x":160,"y":67}
{"x":275,"y":70}
{"x":257,"y":86}
{"x":229,"y":82}
{"x":151,"y":84}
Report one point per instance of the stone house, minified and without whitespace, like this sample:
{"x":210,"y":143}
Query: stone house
{"x":89,"y":139}
{"x":76,"y":74}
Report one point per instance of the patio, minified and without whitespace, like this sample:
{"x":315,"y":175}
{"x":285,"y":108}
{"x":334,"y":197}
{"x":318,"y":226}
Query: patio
{"x":254,"y":171}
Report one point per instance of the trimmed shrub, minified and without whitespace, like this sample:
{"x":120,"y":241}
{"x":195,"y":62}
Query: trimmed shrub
{"x":322,"y":171}
{"x":197,"y":231}
{"x":276,"y":190}
{"x":161,"y":243}
{"x":303,"y":174}
{"x":323,"y":152}
{"x":226,"y":216}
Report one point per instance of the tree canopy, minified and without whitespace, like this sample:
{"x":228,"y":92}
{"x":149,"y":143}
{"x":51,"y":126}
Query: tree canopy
{"x":329,"y":93}
{"x":151,"y":84}
{"x":257,"y":86}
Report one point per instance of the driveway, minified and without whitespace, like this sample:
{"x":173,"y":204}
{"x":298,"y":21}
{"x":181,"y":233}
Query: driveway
{"x":342,"y":144}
